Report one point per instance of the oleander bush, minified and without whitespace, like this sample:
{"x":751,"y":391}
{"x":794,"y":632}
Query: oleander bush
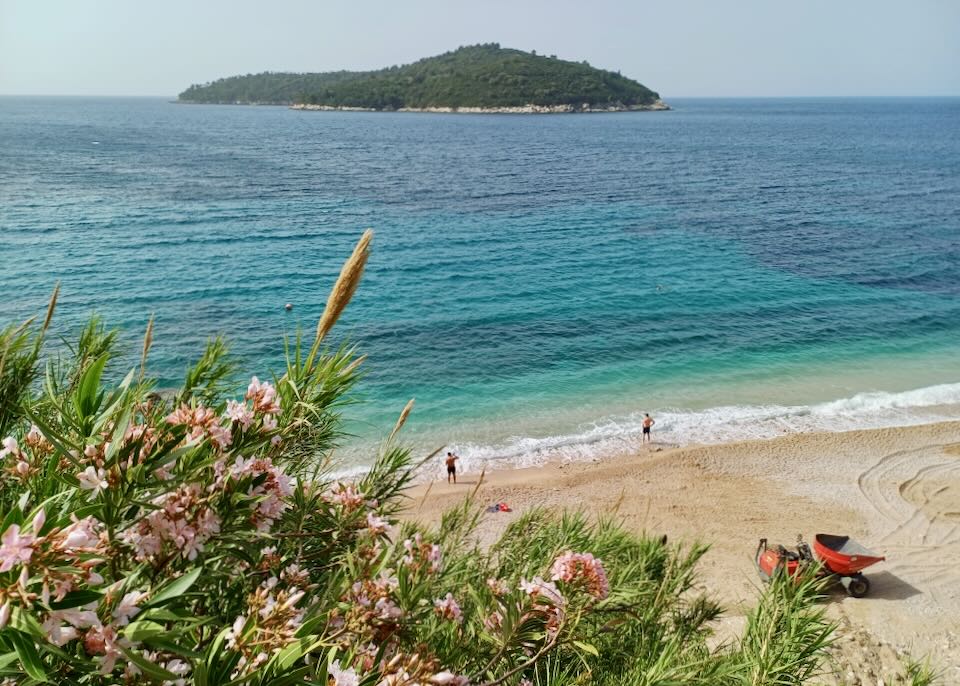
{"x":199,"y":536}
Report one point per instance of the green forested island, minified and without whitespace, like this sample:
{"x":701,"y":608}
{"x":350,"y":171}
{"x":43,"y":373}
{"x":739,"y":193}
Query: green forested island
{"x":475,"y":78}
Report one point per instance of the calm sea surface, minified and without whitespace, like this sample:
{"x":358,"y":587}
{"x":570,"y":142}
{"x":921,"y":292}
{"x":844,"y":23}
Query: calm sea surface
{"x":738,"y":268}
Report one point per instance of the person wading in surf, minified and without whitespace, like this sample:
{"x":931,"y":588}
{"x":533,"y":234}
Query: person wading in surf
{"x":452,"y":467}
{"x":647,"y":425}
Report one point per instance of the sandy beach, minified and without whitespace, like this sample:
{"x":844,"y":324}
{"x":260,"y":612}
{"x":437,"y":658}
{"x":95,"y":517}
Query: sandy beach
{"x":895,"y":490}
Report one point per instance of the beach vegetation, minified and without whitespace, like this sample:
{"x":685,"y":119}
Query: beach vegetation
{"x":921,"y":672}
{"x":202,"y":535}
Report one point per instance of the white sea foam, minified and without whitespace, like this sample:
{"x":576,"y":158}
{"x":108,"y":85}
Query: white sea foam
{"x":622,"y":434}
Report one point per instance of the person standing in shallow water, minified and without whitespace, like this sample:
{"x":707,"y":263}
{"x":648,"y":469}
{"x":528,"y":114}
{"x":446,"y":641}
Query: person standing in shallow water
{"x":452,"y":467}
{"x":648,"y":423}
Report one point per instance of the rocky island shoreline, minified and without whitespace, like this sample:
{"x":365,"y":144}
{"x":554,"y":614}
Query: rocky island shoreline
{"x":656,"y":106}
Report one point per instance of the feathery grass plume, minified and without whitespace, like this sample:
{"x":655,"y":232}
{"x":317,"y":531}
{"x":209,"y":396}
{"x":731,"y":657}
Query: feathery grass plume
{"x":346,"y":285}
{"x":147,"y":342}
{"x":352,"y":367}
{"x":51,"y":306}
{"x":402,"y":419}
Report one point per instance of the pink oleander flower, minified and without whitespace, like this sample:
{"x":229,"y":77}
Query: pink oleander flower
{"x":92,"y":453}
{"x":93,"y":480}
{"x":182,"y":520}
{"x":34,"y":436}
{"x":10,"y":447}
{"x":581,"y":568}
{"x":446,"y":678}
{"x":343,"y":677}
{"x":179,"y":667}
{"x":145,"y":434}
{"x":61,"y":587}
{"x":412,"y":547}
{"x":498,"y":587}
{"x":38,"y":521}
{"x":236,"y":631}
{"x":82,"y":619}
{"x":57,"y":633}
{"x":220,"y":436}
{"x":15,"y":549}
{"x":127,"y":608}
{"x":376,"y":524}
{"x":387,"y":609}
{"x":239,"y":412}
{"x":181,"y":415}
{"x":185,"y":538}
{"x":62,"y":626}
{"x":540,"y":590}
{"x":493,"y":621}
{"x":422,"y":555}
{"x":359,"y":594}
{"x":264,"y":397}
{"x":347,"y":496}
{"x":447,"y":608}
{"x":386,"y":582}
{"x":81,"y":534}
{"x":525,"y":682}
{"x":537,"y":588}
{"x":293,"y":575}
{"x":368,"y":654}
{"x":272,"y":622}
{"x":201,"y":421}
{"x":435,"y":558}
{"x":272,"y":493}
{"x":104,"y":640}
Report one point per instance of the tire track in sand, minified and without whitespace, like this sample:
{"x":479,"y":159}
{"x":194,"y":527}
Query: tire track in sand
{"x":917,"y":496}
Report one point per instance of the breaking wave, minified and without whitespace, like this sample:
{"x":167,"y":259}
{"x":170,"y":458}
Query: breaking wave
{"x":619,"y":435}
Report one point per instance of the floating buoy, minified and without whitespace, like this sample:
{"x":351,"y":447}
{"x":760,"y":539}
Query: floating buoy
{"x":288,"y":307}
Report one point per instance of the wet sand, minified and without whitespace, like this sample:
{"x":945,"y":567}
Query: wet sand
{"x":897,"y":491}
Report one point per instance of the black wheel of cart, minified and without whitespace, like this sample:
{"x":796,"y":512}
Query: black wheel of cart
{"x":857,"y":586}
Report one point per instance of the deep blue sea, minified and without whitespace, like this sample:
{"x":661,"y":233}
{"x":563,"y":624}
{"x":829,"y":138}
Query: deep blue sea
{"x":738,"y":268}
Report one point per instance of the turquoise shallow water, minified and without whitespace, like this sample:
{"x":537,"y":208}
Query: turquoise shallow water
{"x":737,"y":267}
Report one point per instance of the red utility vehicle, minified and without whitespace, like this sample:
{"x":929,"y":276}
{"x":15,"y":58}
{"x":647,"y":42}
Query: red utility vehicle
{"x":836,"y":556}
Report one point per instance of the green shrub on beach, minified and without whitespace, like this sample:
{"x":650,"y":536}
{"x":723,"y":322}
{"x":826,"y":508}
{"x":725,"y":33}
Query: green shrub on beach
{"x":201,"y":537}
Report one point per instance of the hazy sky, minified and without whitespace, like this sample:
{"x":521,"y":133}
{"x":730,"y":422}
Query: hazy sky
{"x":676,"y":47}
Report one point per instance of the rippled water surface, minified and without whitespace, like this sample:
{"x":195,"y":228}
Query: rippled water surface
{"x":733,"y":266}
